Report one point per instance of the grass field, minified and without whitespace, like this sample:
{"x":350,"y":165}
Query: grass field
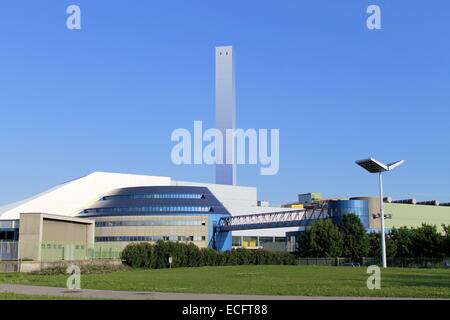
{"x":265,"y":280}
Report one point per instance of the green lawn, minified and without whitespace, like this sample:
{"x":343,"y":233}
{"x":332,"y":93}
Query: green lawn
{"x":269,"y":280}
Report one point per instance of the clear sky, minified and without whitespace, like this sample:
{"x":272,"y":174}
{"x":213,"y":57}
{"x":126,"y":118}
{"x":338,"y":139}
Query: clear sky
{"x":107,"y":97}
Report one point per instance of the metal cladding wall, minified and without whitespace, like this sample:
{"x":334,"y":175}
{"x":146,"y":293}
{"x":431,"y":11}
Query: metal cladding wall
{"x":169,"y":201}
{"x":410,"y":215}
{"x":338,"y":208}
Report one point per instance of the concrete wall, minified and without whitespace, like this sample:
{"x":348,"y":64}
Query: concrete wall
{"x":63,"y":231}
{"x":37,"y":229}
{"x":30,"y":236}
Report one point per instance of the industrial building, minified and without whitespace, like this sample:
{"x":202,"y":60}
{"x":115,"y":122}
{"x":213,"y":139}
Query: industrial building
{"x":99,"y":214}
{"x":400,"y":213}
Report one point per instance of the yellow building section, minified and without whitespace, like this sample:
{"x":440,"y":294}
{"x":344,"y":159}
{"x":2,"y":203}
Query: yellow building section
{"x":249,"y":243}
{"x":415,"y":215}
{"x":293,"y":205}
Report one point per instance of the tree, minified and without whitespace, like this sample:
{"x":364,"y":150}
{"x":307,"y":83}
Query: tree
{"x":426,"y":241}
{"x":375,"y":245}
{"x":354,"y":237}
{"x":403,"y":238}
{"x":323,"y":239}
{"x":446,"y":240}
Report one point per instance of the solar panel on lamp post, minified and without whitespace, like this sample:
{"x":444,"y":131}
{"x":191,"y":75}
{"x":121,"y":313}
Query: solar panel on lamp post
{"x":375,"y":166}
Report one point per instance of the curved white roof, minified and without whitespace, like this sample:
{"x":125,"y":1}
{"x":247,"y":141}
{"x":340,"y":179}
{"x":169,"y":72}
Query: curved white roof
{"x":69,"y":198}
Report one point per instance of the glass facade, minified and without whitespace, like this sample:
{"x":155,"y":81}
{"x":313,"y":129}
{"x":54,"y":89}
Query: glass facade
{"x":183,"y":202}
{"x":269,"y":243}
{"x":338,"y":208}
{"x":155,"y":196}
{"x":148,"y":209}
{"x":137,"y":223}
{"x":149,"y":238}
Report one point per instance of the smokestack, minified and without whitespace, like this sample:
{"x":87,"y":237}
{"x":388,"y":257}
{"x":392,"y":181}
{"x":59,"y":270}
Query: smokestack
{"x":225,"y":113}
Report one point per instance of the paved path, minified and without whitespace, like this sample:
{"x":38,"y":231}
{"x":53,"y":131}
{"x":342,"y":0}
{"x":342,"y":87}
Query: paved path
{"x":134,"y":295}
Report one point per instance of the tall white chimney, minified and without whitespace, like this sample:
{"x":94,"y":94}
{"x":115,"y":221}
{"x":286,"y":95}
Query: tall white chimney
{"x":225,"y":113}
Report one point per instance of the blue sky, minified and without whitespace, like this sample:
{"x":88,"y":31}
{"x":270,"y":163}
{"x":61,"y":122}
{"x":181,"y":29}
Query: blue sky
{"x":107,"y":97}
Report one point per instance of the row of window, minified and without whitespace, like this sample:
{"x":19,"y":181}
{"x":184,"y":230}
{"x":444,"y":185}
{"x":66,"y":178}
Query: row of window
{"x":100,"y":224}
{"x":238,"y":241}
{"x":60,"y":246}
{"x":150,"y":238}
{"x":156,"y":196}
{"x":150,"y":209}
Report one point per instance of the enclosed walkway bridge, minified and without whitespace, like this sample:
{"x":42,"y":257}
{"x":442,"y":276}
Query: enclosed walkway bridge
{"x":278,"y":219}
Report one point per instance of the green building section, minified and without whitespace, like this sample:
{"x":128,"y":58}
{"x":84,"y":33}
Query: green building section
{"x":415,"y":215}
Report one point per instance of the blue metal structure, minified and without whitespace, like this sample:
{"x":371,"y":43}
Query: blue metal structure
{"x":338,"y":208}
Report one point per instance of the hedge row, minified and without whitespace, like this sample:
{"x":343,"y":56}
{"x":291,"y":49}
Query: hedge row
{"x":156,"y":256}
{"x":84,"y":269}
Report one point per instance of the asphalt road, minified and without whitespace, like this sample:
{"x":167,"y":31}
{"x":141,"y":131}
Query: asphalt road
{"x":134,"y":295}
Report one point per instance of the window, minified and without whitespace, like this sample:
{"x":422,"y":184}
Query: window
{"x":266,"y":239}
{"x":236,"y":242}
{"x":155,"y":196}
{"x":250,"y":242}
{"x":146,"y":223}
{"x":8,"y":236}
{"x":149,"y":238}
{"x":149,"y":209}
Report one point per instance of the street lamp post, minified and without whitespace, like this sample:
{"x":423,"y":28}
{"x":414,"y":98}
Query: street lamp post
{"x":383,"y":238}
{"x":375,"y":166}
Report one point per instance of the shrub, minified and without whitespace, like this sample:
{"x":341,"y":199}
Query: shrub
{"x":84,"y":269}
{"x":156,"y":256}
